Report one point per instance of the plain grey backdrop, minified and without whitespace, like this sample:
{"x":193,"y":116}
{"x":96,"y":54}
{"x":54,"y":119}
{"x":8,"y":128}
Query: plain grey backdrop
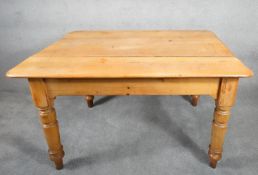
{"x":126,"y":135}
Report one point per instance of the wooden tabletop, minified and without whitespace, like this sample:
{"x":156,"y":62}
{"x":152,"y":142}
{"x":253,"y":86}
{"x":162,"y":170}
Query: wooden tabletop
{"x":133,"y":54}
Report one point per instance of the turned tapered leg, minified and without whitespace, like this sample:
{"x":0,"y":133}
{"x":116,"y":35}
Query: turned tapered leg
{"x":219,"y":128}
{"x":224,"y":102}
{"x":195,"y":99}
{"x":89,"y":99}
{"x":48,"y":121}
{"x":51,"y":131}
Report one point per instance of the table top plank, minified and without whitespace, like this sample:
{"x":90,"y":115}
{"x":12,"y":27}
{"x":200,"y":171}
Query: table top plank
{"x":138,"y":43}
{"x":133,"y":54}
{"x":130,"y":67}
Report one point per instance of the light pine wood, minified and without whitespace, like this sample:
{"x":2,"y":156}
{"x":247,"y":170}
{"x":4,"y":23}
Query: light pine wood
{"x":48,"y":120}
{"x":132,"y":54}
{"x":137,"y":43}
{"x":129,"y":67}
{"x":195,"y":99}
{"x":161,"y":86}
{"x":224,"y":102}
{"x":88,"y":63}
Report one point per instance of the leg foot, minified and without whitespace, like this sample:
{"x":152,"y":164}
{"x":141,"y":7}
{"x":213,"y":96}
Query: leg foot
{"x":214,"y":157}
{"x":213,"y":163}
{"x":59,"y":164}
{"x":195,"y":99}
{"x":89,"y":99}
{"x":57,"y":157}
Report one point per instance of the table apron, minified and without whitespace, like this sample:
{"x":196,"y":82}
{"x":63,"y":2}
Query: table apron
{"x":133,"y":86}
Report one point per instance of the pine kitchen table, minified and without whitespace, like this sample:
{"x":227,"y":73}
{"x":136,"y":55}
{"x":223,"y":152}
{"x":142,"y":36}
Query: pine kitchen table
{"x":88,"y":63}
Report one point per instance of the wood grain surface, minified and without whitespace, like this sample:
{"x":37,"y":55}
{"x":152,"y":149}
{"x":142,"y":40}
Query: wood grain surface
{"x":133,"y":54}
